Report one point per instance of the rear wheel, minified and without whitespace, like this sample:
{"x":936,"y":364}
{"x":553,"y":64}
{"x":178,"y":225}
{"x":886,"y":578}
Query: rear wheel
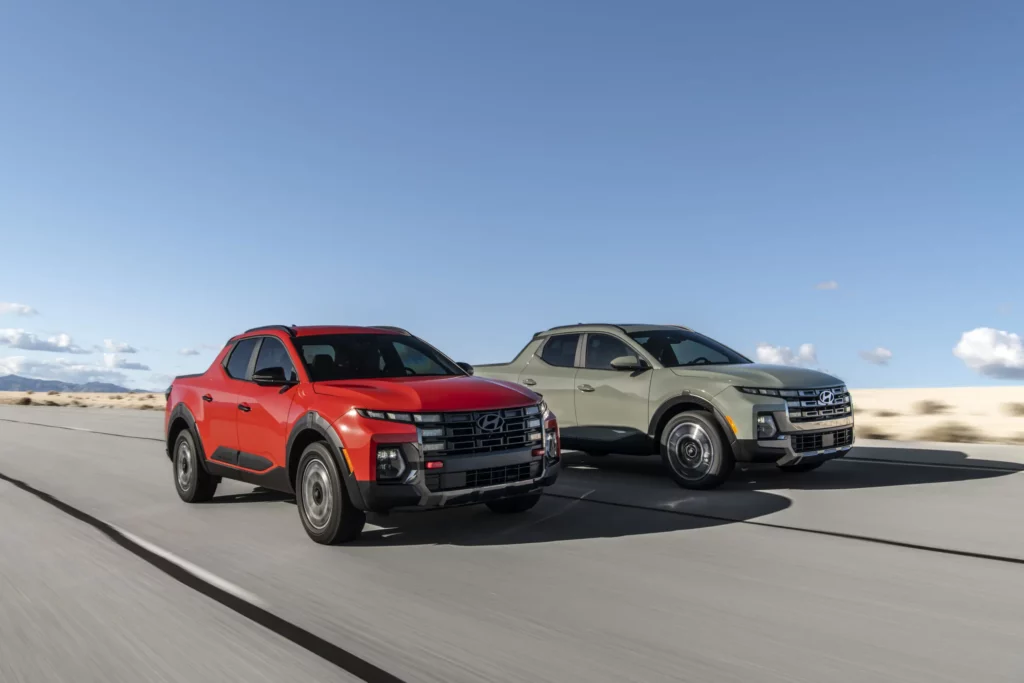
{"x":511,"y":506}
{"x":802,"y":466}
{"x":694,"y":451}
{"x":325,"y":509}
{"x":193,"y":483}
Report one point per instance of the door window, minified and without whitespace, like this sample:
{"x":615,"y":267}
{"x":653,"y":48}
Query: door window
{"x":560,"y":350}
{"x":238,"y":361}
{"x":273,"y":354}
{"x":602,"y":349}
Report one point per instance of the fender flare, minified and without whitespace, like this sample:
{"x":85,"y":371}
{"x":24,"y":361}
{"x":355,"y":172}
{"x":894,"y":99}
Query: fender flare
{"x":683,"y":398}
{"x":182,"y":411}
{"x":313,"y":420}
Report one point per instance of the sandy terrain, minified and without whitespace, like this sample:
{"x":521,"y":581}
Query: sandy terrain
{"x":967,"y":414}
{"x":136,"y":401}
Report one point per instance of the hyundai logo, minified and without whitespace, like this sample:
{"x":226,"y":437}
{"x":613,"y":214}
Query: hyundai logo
{"x":826,"y":398}
{"x":492,"y":422}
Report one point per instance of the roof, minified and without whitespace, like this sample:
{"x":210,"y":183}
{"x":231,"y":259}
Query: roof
{"x":608,"y":327}
{"x":314,"y":330}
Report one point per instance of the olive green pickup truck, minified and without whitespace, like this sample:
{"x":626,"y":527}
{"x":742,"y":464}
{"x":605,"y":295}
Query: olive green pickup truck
{"x":662,"y":389}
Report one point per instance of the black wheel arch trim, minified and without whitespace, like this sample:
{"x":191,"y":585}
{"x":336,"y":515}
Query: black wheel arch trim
{"x":181,"y":411}
{"x":313,"y":420}
{"x":683,"y":399}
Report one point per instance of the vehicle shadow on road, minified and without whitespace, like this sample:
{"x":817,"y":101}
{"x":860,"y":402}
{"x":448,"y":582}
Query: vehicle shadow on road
{"x":567,"y":514}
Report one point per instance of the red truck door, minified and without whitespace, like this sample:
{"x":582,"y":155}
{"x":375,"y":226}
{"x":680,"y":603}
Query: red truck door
{"x":263,"y":424}
{"x":222,"y":399}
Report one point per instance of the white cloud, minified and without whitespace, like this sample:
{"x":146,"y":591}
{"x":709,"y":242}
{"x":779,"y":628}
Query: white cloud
{"x":878,"y":356}
{"x":60,"y":369}
{"x":783,"y":355}
{"x":7,"y":308}
{"x":160,"y":379}
{"x":189,"y":352}
{"x":20,"y":339}
{"x":112,"y":360}
{"x":111,"y":346}
{"x":991,"y":352}
{"x":828,"y":284}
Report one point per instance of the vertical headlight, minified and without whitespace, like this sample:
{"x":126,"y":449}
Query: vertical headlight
{"x":390,"y":464}
{"x":766,"y":428}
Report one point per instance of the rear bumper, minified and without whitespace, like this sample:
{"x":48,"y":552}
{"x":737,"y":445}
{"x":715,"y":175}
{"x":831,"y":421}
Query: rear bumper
{"x":432,"y":489}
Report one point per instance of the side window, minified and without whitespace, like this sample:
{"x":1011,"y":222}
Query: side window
{"x":273,"y":355}
{"x":238,"y":362}
{"x":560,"y":350}
{"x":602,"y":349}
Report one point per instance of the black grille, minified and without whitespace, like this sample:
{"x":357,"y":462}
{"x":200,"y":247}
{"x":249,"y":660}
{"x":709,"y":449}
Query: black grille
{"x":802,"y":443}
{"x":465,"y":433}
{"x":805,"y":404}
{"x":489,"y":476}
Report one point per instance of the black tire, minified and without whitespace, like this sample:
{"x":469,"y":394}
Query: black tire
{"x":193,"y":483}
{"x":513,"y":506}
{"x":801,"y":466}
{"x":326,"y":511}
{"x":694,"y":451}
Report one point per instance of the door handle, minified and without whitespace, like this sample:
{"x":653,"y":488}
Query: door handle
{"x":585,"y":387}
{"x":529,"y":382}
{"x":207,"y":398}
{"x":244,"y":407}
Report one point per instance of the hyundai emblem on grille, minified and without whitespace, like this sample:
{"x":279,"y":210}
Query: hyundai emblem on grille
{"x":492,"y":422}
{"x":826,"y":397}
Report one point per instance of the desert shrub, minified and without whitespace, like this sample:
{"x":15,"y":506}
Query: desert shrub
{"x":29,"y":393}
{"x":929,"y":407}
{"x":1014,"y":409}
{"x":23,"y":401}
{"x":870,"y":431}
{"x":951,"y":432}
{"x":53,"y":393}
{"x":146,"y":406}
{"x":150,"y":397}
{"x":116,"y":397}
{"x":50,"y":403}
{"x":887,"y":413}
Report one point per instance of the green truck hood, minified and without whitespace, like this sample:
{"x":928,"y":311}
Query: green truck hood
{"x":761,"y":376}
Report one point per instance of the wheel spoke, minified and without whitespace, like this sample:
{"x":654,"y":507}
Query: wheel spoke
{"x":317,"y":497}
{"x":691,"y":453}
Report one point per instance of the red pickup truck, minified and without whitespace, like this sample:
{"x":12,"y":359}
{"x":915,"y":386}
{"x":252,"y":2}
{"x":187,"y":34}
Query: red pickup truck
{"x":355,"y":420}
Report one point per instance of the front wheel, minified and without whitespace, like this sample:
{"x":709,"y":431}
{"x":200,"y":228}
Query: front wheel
{"x":694,"y":451}
{"x":511,"y":506}
{"x":801,"y":466}
{"x":325,"y":509}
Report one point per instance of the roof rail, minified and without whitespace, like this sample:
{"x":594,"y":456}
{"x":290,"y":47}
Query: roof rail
{"x":281,"y":328}
{"x":569,"y":327}
{"x":393,"y":329}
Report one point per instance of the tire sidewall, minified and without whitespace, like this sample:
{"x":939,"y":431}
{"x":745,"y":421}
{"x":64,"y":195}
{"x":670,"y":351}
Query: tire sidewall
{"x":721,"y":460}
{"x":188,"y":493}
{"x":319,"y":451}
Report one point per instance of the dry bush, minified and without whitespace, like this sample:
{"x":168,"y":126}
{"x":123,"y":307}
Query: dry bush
{"x":29,"y":393}
{"x":1014,"y":409}
{"x":50,"y":403}
{"x":929,"y":407}
{"x":871,"y":432}
{"x":23,"y":401}
{"x":146,"y":406}
{"x":150,"y":397}
{"x":116,"y":397}
{"x":887,"y":413}
{"x":951,"y":432}
{"x":53,"y":393}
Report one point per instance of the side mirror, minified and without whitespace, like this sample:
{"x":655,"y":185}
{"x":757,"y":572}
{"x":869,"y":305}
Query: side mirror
{"x":628,"y":363}
{"x":467,"y":367}
{"x":271,"y":377}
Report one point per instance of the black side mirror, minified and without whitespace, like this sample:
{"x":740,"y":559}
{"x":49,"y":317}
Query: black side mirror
{"x":467,"y":367}
{"x":271,"y":377}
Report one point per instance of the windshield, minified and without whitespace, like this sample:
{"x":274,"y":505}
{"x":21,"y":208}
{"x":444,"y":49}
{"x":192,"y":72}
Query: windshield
{"x":681,"y":348}
{"x":371,"y":356}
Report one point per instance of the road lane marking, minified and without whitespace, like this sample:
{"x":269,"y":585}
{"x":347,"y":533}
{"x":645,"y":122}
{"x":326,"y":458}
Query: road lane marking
{"x":193,"y":569}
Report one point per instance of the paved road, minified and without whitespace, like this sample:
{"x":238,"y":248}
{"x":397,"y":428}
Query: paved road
{"x":860,"y":571}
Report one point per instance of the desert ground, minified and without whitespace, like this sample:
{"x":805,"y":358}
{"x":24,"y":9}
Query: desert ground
{"x":961,"y":414}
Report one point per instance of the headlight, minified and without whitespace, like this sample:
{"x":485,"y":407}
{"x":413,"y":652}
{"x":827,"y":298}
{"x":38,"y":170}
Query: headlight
{"x":759,"y":392}
{"x":390,"y":463}
{"x":766,"y":428}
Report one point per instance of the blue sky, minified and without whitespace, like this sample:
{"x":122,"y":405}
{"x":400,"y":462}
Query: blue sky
{"x":173,"y":173}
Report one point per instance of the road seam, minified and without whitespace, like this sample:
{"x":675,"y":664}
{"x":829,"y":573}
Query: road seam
{"x":326,"y":650}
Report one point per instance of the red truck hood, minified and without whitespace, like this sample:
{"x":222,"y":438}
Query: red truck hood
{"x":428,"y":394}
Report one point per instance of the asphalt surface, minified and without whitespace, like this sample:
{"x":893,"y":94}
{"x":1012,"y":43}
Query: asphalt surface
{"x":865,"y":570}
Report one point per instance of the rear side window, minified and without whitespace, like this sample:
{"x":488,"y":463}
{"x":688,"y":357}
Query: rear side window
{"x":560,"y":350}
{"x":603,"y":349}
{"x":238,"y":361}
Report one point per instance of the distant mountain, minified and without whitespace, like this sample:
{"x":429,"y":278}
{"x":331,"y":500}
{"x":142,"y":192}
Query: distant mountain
{"x":16,"y":383}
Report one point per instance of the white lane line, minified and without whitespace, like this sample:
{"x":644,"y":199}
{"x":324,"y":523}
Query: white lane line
{"x":193,"y":569}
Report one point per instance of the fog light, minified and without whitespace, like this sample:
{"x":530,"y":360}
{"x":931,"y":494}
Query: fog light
{"x":766,"y":428}
{"x":390,"y":464}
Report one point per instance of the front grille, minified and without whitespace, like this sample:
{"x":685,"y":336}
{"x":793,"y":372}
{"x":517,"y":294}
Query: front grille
{"x":803,"y":443}
{"x":488,"y":476}
{"x":485,"y":431}
{"x":805,"y":405}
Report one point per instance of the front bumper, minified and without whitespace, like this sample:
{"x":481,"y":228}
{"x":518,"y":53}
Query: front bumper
{"x":425,"y":489}
{"x":799,"y":442}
